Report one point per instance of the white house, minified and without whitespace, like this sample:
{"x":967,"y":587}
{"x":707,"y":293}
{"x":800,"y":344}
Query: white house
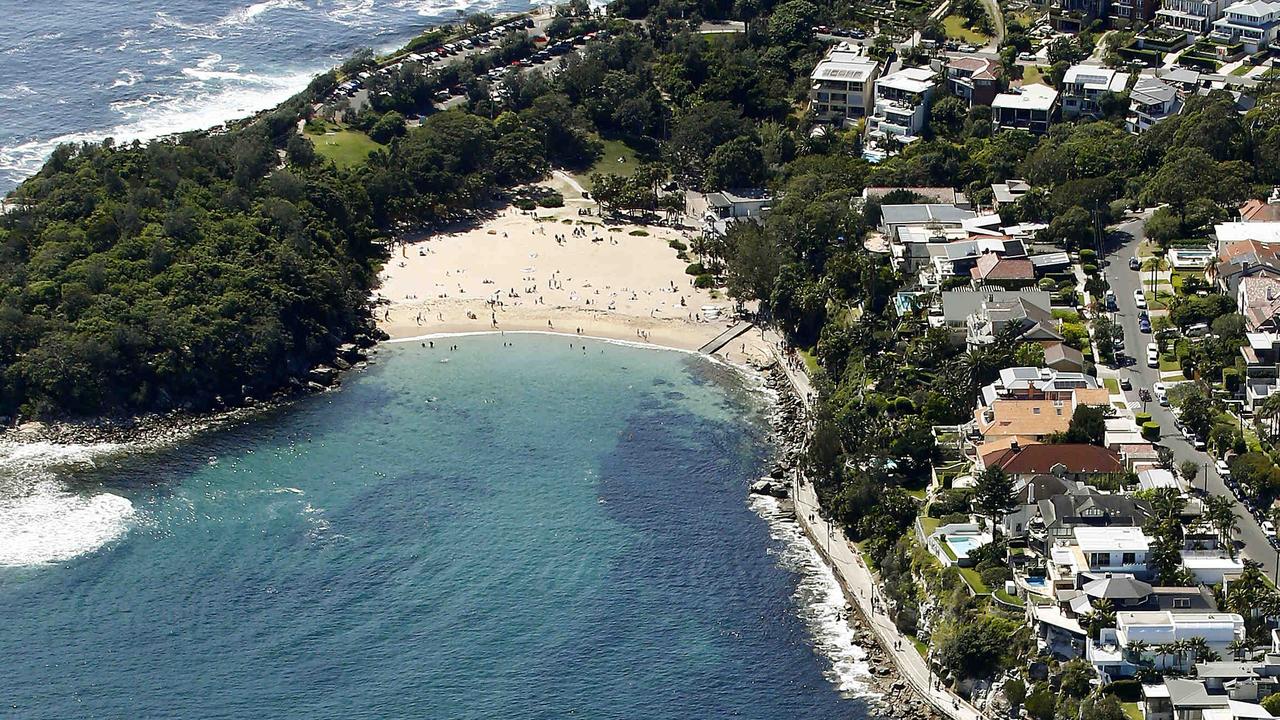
{"x":1253,"y":23}
{"x":1031,"y":108}
{"x":1191,"y":16}
{"x":1111,"y":550}
{"x":1151,"y":101}
{"x":1160,"y":627}
{"x":1084,"y":85}
{"x":842,"y":84}
{"x":902,"y":104}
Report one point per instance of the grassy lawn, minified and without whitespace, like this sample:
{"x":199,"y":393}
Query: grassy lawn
{"x":1113,"y":385}
{"x":346,"y":148}
{"x":1011,"y":599}
{"x":929,"y":524}
{"x":608,"y":162}
{"x":974,"y":580}
{"x":1242,"y":70}
{"x":917,"y":494}
{"x":1032,"y":75}
{"x":1132,"y":710}
{"x":951,"y":554}
{"x":810,"y":362}
{"x":956,"y":30}
{"x":1167,"y":365}
{"x":920,"y":647}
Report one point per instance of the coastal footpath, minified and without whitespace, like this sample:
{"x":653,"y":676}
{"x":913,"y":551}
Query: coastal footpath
{"x":897,"y":668}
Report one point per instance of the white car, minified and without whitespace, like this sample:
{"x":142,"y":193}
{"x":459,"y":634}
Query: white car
{"x":1161,"y":393}
{"x":1153,"y":355}
{"x":1140,"y":300}
{"x":1269,"y":528}
{"x":1223,"y":469}
{"x":967,"y":49}
{"x":1026,"y":57}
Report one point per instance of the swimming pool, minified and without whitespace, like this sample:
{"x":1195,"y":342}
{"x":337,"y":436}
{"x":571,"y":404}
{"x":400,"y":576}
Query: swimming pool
{"x":962,"y":545}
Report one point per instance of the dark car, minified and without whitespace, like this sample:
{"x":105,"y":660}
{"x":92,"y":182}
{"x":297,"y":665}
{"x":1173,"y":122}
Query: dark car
{"x":1134,"y":264}
{"x":1144,"y":325}
{"x":1125,"y":383}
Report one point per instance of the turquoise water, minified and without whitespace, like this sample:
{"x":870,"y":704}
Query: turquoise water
{"x":535,"y":531}
{"x":963,"y":544}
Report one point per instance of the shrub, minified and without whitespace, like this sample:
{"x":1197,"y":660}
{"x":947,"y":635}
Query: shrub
{"x":1088,"y":256}
{"x":1090,"y":270}
{"x":1151,"y":430}
{"x":1231,"y":379}
{"x":1271,"y":703}
{"x":704,"y":282}
{"x":526,"y":204}
{"x":696,"y":269}
{"x":551,"y":200}
{"x":994,"y":577}
{"x":1125,"y":690}
{"x":950,"y":502}
{"x":677,"y":245}
{"x":1142,"y":418}
{"x":639,"y":233}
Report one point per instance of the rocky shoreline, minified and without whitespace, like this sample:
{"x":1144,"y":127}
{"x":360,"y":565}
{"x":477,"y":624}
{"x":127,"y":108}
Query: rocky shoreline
{"x":153,"y":429}
{"x":895,"y":697}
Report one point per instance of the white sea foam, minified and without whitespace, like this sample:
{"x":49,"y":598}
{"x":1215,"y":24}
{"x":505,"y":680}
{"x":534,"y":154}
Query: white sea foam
{"x":820,"y":601}
{"x":209,"y":97}
{"x":44,"y":521}
{"x":128,"y":78}
{"x":246,"y":15}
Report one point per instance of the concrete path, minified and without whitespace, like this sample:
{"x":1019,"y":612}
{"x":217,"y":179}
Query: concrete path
{"x":859,"y":583}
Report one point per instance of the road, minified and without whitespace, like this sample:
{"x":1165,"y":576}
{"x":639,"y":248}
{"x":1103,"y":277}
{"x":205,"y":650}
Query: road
{"x":1254,"y":544}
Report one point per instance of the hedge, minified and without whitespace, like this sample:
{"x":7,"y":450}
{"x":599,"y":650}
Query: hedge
{"x":1142,"y":418}
{"x":1151,"y":430}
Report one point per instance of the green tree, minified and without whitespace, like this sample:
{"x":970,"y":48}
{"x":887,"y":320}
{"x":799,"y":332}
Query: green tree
{"x":993,"y":494}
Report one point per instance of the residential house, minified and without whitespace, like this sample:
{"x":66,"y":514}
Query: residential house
{"x":1195,"y":17}
{"x":1253,"y":23}
{"x":739,"y":203}
{"x":941,"y":215}
{"x":1266,"y":233}
{"x":976,"y":80}
{"x":1021,"y":317}
{"x":959,"y":257}
{"x":1009,"y":192}
{"x":1034,"y":419}
{"x":1029,"y":383}
{"x":1083,"y":87}
{"x":1061,"y":356}
{"x":1162,"y":627}
{"x":1238,"y":260}
{"x":916,"y":248}
{"x":1241,"y":680}
{"x":1255,"y":210}
{"x":995,"y":269}
{"x":959,"y":308}
{"x":902,"y":104}
{"x":1051,"y":263}
{"x":842,"y":84}
{"x":1150,"y":101}
{"x":1261,"y":353}
{"x":1258,"y":299}
{"x":1134,"y":10}
{"x":1074,"y":15}
{"x":1110,"y":550}
{"x":931,"y":195}
{"x":1077,"y":461}
{"x":1031,"y":107}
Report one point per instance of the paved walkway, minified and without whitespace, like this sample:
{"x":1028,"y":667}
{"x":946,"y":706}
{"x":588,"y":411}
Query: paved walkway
{"x":860,"y":585}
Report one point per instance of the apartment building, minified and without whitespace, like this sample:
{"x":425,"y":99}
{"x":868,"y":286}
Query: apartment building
{"x":1084,"y":86}
{"x":902,"y":104}
{"x":842,"y":84}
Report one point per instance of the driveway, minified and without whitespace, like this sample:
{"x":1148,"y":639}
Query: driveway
{"x":1253,"y":542}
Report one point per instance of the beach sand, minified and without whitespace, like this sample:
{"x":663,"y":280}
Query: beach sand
{"x":612,"y":281}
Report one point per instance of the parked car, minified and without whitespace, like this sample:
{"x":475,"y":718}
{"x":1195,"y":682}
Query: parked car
{"x":1111,"y":302}
{"x":967,"y":48}
{"x":1125,"y":383}
{"x":1134,"y":264}
{"x":1197,"y":442}
{"x":1269,"y":528}
{"x":1144,"y":325}
{"x":1223,"y":469}
{"x":1139,"y":299}
{"x":1153,"y":355}
{"x":1162,"y":393}
{"x":1026,"y":57}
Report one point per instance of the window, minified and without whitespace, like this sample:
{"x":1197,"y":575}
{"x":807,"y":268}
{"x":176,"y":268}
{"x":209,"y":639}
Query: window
{"x":1099,"y":559}
{"x":1128,"y":559}
{"x":1182,"y":602}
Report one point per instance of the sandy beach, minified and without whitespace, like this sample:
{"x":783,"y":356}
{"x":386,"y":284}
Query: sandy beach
{"x":561,"y":271}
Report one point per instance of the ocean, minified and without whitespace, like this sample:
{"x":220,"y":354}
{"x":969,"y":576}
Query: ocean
{"x":548,"y":529}
{"x":91,"y":69}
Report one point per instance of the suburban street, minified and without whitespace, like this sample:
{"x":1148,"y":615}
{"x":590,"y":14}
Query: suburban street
{"x":1251,"y":539}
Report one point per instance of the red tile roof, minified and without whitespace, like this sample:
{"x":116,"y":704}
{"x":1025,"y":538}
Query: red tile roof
{"x":1075,"y":457}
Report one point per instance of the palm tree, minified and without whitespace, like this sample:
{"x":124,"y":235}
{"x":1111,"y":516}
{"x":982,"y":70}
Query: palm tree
{"x":1166,"y":650}
{"x":1220,"y":513}
{"x":1238,"y":647}
{"x":1137,"y":649}
{"x":1198,"y":647}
